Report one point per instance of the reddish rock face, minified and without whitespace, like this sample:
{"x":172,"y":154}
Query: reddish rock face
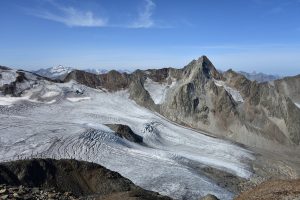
{"x":274,"y":189}
{"x":125,"y":132}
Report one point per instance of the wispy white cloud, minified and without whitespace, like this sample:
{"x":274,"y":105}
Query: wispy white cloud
{"x":70,"y":16}
{"x":73,"y":17}
{"x":144,"y":19}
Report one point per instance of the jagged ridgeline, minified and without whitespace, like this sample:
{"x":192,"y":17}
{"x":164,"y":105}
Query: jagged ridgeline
{"x":174,"y":123}
{"x":226,"y":104}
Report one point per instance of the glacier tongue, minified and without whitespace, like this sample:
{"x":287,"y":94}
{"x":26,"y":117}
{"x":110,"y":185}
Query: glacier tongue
{"x":164,"y":163}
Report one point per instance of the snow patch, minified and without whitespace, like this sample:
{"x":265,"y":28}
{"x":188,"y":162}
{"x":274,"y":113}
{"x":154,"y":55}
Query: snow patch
{"x":60,"y":70}
{"x":50,"y":94}
{"x":298,"y":105}
{"x":235,"y":94}
{"x":51,"y":102}
{"x":8,"y":100}
{"x":157,"y":91}
{"x":6,"y":77}
{"x":77,"y":99}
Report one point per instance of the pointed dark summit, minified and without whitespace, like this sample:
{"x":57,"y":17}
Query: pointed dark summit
{"x":203,"y":66}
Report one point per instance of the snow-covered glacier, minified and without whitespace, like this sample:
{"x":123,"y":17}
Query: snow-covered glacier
{"x":55,"y":120}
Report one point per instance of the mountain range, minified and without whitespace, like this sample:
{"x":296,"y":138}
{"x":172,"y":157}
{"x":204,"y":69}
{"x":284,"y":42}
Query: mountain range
{"x":225,"y":104}
{"x":259,"y":77}
{"x":184,"y":133}
{"x":59,"y":72}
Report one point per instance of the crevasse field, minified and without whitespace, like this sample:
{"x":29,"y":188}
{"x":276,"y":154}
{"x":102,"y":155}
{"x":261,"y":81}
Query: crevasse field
{"x":51,"y":120}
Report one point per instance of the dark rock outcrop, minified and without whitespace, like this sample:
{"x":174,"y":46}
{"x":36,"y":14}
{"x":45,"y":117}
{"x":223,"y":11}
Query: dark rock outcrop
{"x":209,"y":197}
{"x":17,"y":86}
{"x":124,"y":131}
{"x":112,"y":81}
{"x":79,"y":177}
{"x":4,"y":68}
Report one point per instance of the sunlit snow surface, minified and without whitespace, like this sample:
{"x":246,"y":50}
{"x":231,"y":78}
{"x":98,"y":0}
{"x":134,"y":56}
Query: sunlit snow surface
{"x":60,"y":70}
{"x":157,"y":91}
{"x":75,"y":129}
{"x":7,"y":76}
{"x":235,"y":94}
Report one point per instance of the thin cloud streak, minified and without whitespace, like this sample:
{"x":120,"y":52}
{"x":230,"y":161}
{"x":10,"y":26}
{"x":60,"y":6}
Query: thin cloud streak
{"x":71,"y":17}
{"x":145,"y":16}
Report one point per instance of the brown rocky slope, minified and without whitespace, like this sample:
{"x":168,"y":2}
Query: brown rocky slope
{"x":274,"y":189}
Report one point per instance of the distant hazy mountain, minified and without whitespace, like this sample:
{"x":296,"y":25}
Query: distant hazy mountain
{"x":60,"y":72}
{"x":259,"y":77}
{"x":57,"y":72}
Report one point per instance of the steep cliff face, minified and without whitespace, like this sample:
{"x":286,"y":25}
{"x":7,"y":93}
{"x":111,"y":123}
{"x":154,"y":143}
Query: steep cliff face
{"x":196,"y":100}
{"x":289,"y":86}
{"x":270,"y":111}
{"x":112,"y":81}
{"x":230,"y":105}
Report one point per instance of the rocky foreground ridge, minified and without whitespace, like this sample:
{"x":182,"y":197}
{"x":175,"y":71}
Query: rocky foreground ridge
{"x":66,"y":179}
{"x":72,"y":180}
{"x":26,"y":193}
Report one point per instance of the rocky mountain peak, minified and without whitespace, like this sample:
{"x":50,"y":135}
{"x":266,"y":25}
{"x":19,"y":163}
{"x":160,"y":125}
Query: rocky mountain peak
{"x":202,"y":67}
{"x":204,"y":59}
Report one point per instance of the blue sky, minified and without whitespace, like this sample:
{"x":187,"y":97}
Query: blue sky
{"x":260,"y":35}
